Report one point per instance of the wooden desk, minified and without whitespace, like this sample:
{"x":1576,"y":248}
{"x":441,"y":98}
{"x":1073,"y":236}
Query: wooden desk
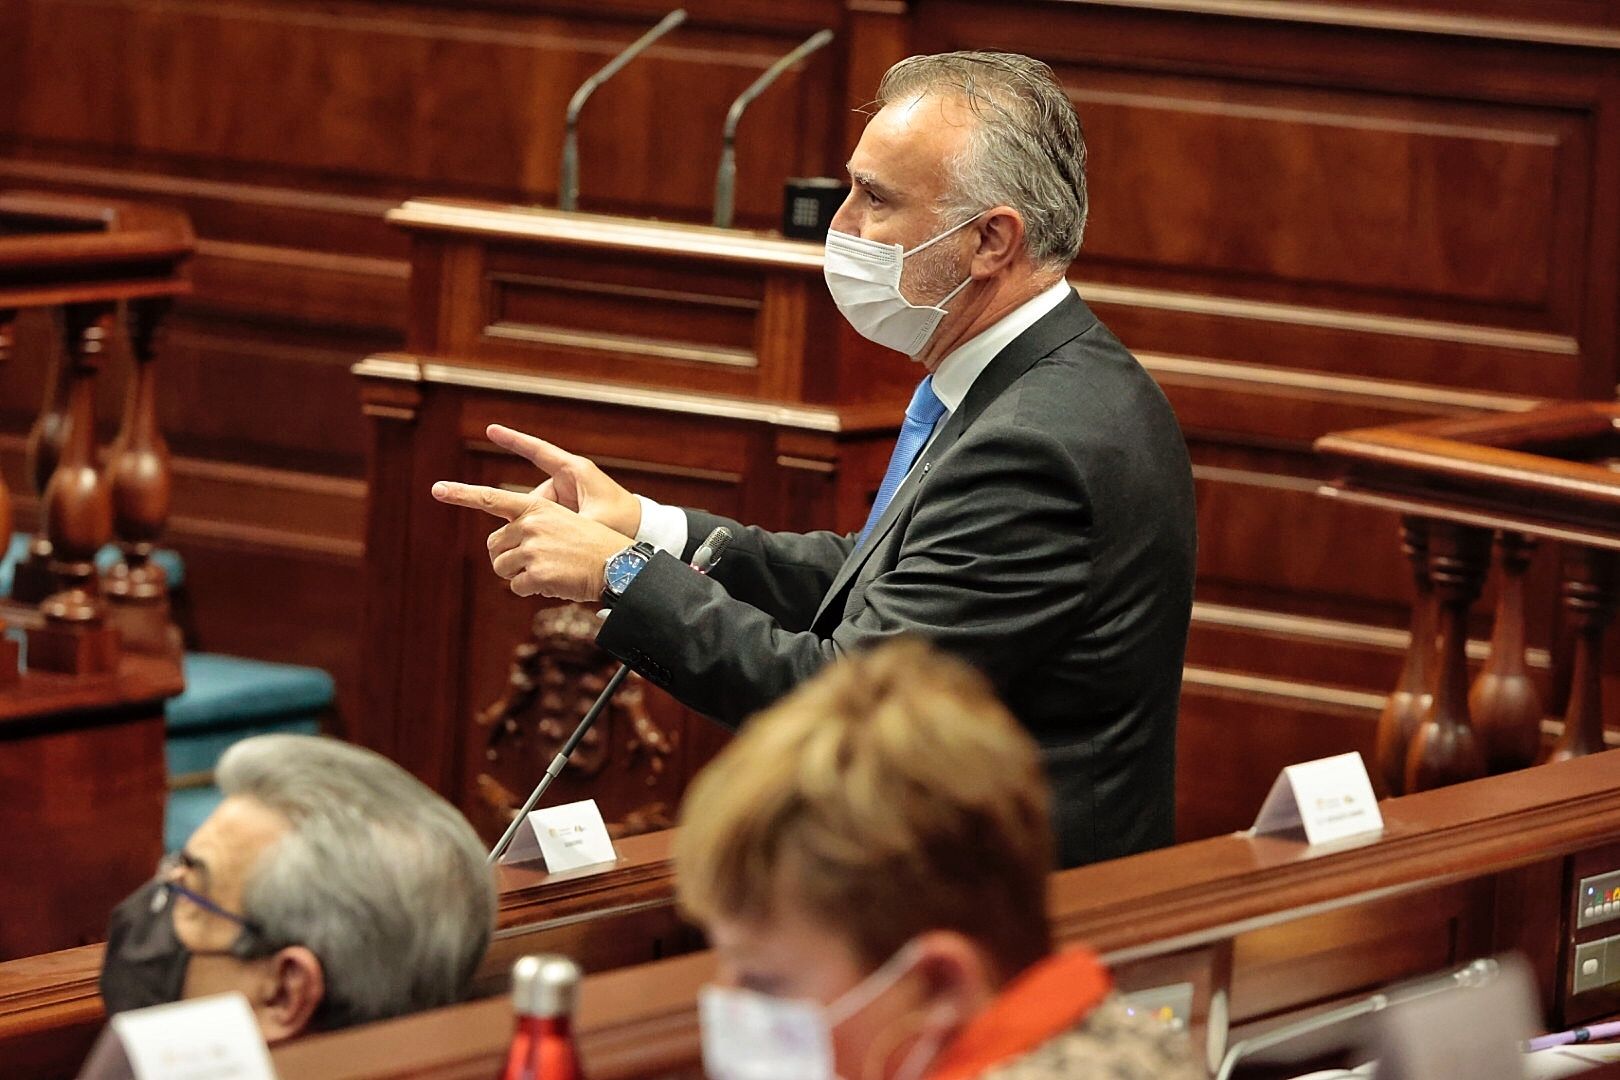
{"x":81,"y":815}
{"x":1264,"y":925}
{"x":50,"y":1009}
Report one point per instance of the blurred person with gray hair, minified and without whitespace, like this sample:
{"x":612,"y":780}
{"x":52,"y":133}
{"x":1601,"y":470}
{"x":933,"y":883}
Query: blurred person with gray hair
{"x":330,"y":887}
{"x":1036,"y":517}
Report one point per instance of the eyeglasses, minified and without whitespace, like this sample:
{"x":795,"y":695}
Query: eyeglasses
{"x":168,"y":879}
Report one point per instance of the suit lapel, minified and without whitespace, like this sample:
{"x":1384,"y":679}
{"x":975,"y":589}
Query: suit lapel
{"x":1057,"y":328}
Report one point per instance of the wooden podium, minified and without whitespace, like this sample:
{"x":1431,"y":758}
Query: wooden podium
{"x":698,"y":366}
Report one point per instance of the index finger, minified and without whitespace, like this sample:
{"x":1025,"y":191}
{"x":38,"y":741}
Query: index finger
{"x":547,"y":457}
{"x":502,"y":504}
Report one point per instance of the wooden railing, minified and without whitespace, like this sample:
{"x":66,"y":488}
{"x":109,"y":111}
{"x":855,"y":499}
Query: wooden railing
{"x":1551,"y":473}
{"x":50,"y":1008}
{"x":104,"y":275}
{"x":1261,"y":927}
{"x":81,"y":730}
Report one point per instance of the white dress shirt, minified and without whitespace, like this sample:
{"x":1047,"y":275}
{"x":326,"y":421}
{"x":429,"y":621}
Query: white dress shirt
{"x":664,"y":527}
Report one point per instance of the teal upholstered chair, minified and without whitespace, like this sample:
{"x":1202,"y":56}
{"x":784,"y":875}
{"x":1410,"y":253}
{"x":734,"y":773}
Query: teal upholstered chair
{"x":227,"y":698}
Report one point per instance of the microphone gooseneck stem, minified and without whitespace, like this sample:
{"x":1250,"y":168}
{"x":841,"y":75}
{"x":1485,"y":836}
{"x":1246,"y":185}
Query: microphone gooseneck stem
{"x":568,"y":181}
{"x":725,"y":185}
{"x":557,"y":763}
{"x":706,"y":558}
{"x":725,"y":181}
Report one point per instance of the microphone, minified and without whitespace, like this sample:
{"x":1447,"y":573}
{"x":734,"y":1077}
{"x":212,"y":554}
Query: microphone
{"x":725,"y":181}
{"x":708,"y":554}
{"x":568,"y":182}
{"x":705,"y":559}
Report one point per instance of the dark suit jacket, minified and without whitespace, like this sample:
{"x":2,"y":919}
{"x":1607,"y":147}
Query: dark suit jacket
{"x":1046,"y":534}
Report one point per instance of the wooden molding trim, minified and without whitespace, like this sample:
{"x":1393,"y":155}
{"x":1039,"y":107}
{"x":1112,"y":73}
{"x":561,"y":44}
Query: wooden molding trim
{"x":1333,"y":631}
{"x":306,"y":259}
{"x":1313,"y":694}
{"x":622,"y":345}
{"x":1234,"y":307}
{"x":146,"y":183}
{"x":402,"y":367}
{"x":616,"y":234}
{"x":1404,"y":394}
{"x":1482,"y":519}
{"x":1412,"y":22}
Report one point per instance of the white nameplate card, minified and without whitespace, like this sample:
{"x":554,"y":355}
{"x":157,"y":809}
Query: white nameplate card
{"x":1332,"y":798}
{"x":567,"y":837}
{"x":211,"y":1038}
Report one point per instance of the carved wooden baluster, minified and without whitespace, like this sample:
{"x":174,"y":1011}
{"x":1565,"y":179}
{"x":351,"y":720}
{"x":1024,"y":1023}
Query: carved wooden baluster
{"x":137,"y":588}
{"x":1414,"y":690}
{"x":78,"y":515}
{"x":1504,"y":705}
{"x":8,"y":648}
{"x":33,"y":580}
{"x":1444,"y":748}
{"x":1591,"y":594}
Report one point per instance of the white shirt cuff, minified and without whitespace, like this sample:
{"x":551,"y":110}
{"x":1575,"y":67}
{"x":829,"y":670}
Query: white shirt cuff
{"x":664,"y":527}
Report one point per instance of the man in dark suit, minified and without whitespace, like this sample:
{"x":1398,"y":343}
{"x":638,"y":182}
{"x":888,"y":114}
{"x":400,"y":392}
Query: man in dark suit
{"x":1037,"y":516}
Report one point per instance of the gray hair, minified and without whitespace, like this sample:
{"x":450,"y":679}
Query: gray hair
{"x":379,"y":877}
{"x":1027,"y":151}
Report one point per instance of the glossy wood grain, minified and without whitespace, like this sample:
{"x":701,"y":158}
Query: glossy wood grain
{"x":1308,"y":926}
{"x":50,"y":1008}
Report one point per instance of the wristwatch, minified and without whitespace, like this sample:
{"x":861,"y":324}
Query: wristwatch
{"x":621,"y":569}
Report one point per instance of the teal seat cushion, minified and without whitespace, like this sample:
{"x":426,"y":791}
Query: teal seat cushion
{"x":14,"y":552}
{"x":173,"y":565}
{"x":187,"y":809}
{"x":200,"y":751}
{"x":233,"y":691}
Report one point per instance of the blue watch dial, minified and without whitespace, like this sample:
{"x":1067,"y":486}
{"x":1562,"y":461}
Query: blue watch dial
{"x":622,"y":569}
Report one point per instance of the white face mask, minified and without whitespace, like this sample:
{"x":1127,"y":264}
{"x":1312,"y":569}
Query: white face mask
{"x":864,"y":279}
{"x":752,"y":1036}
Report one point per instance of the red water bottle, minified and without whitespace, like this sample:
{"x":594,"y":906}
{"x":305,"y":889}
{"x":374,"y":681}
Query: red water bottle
{"x":544,"y":991}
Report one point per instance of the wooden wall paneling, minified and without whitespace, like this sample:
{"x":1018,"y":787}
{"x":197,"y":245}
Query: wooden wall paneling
{"x":417,"y":96}
{"x":1237,"y":732}
{"x":1574,"y":14}
{"x":405,"y":588}
{"x":1298,"y":123}
{"x":879,"y":36}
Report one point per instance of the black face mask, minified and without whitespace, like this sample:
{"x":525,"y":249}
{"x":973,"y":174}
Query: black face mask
{"x":145,"y":963}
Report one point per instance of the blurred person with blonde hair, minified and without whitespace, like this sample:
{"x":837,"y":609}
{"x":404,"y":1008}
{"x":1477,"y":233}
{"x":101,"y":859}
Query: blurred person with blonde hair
{"x":870,"y":860}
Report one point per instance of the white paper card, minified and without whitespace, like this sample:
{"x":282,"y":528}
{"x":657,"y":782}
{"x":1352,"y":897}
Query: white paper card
{"x":567,"y":837}
{"x":211,"y":1038}
{"x":1333,"y":798}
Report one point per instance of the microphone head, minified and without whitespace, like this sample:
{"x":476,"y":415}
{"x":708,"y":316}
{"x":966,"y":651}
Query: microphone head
{"x":709,"y":552}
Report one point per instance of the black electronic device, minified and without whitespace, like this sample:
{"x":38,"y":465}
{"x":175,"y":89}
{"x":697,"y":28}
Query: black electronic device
{"x":808,"y":206}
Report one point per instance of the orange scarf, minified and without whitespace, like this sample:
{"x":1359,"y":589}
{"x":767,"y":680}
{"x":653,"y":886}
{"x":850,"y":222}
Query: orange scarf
{"x":1040,"y":1004}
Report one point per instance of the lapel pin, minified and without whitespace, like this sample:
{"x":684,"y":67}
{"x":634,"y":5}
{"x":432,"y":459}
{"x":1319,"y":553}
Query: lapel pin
{"x":926,"y":466}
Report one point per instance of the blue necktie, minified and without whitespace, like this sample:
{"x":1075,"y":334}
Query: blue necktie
{"x":921,"y":416}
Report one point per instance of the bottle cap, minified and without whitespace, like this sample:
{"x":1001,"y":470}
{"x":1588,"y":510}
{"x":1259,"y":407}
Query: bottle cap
{"x":546,"y":985}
